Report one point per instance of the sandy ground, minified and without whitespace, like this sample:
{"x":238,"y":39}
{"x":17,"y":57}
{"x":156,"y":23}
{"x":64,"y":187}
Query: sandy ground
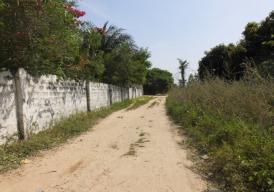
{"x":129,"y":151}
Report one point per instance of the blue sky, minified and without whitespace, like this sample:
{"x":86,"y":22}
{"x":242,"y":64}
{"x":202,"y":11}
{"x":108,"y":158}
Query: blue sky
{"x":173,"y":29}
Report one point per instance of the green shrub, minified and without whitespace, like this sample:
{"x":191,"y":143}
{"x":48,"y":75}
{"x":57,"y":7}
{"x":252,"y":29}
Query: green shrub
{"x":233,"y":123}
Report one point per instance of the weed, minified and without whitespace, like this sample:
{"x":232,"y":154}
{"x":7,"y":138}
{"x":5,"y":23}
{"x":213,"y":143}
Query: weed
{"x":132,"y":151}
{"x":232,"y":123}
{"x":154,"y":103}
{"x":139,"y":143}
{"x":142,"y":134}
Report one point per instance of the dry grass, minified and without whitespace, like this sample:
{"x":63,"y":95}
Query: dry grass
{"x":233,"y":123}
{"x":139,"y":102}
{"x":154,"y":103}
{"x":139,"y":143}
{"x":250,"y":101}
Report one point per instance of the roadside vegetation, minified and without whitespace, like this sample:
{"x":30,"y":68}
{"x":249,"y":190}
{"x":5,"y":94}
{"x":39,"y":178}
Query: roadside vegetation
{"x":158,"y":81}
{"x":48,"y":37}
{"x":232,"y":124}
{"x":140,"y":101}
{"x":255,"y":50}
{"x":227,"y":110}
{"x":14,"y":153}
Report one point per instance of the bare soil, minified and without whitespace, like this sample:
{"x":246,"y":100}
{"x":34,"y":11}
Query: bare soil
{"x":129,"y":151}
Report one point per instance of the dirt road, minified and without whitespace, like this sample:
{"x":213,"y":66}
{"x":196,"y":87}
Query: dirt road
{"x":130,"y":151}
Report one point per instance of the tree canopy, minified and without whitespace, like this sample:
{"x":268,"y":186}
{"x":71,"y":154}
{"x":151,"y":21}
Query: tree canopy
{"x":255,"y":50}
{"x":158,"y":81}
{"x":47,"y":37}
{"x":40,"y":36}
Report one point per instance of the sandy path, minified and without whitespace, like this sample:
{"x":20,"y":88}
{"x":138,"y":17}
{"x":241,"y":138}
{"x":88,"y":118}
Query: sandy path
{"x":134,"y":151}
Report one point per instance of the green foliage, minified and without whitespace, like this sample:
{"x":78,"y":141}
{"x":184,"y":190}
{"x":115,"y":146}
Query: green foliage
{"x":233,"y":124}
{"x":12,"y":154}
{"x":158,"y":81}
{"x":42,"y":39}
{"x":113,"y":37}
{"x":193,"y":78}
{"x":118,"y":68}
{"x":124,"y":66}
{"x":254,"y":50}
{"x":141,"y":64}
{"x":90,"y":62}
{"x":46,"y":37}
{"x":2,"y":7}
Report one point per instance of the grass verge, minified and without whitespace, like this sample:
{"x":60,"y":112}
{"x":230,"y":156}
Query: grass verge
{"x":11,"y":155}
{"x":139,"y":102}
{"x":232,"y":124}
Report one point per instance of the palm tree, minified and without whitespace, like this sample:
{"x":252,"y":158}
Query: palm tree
{"x":113,"y":36}
{"x":183,"y":66}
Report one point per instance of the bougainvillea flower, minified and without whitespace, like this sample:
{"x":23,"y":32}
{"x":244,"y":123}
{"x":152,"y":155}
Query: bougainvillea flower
{"x":76,"y":12}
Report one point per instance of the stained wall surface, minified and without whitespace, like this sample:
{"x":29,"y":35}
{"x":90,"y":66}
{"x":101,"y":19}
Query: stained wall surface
{"x":8,"y":122}
{"x":45,"y":100}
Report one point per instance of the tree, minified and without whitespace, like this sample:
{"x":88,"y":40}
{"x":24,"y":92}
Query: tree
{"x":215,"y":63}
{"x":192,"y":78}
{"x":90,"y":62}
{"x":2,"y":7}
{"x":158,"y":82}
{"x":183,"y":66}
{"x":256,"y":50}
{"x":259,"y":42}
{"x":40,"y":36}
{"x":141,"y":64}
{"x":124,"y":66}
{"x":237,"y":58}
{"x":47,"y":37}
{"x":113,"y":37}
{"x":226,"y":62}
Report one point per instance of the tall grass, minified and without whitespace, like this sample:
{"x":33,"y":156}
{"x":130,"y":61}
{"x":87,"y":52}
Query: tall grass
{"x":233,"y":123}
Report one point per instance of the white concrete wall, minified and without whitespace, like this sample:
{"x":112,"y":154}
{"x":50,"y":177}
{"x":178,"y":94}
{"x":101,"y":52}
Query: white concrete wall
{"x":46,"y":99}
{"x":125,"y":93}
{"x":116,"y":94}
{"x":8,"y":122}
{"x":99,"y":95}
{"x":139,"y":91}
{"x":130,"y":92}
